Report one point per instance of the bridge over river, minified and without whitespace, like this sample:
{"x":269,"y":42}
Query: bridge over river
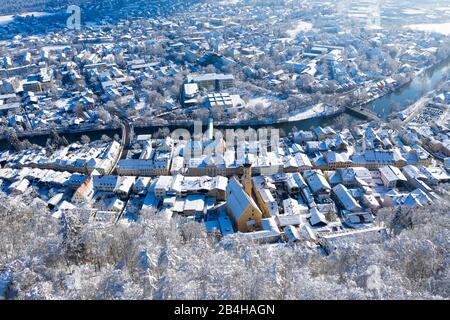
{"x":362,"y":112}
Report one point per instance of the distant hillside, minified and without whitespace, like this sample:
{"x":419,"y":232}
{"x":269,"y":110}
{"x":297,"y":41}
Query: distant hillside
{"x":12,"y":7}
{"x":21,"y":6}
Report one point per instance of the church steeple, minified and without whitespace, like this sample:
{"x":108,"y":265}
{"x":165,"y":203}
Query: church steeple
{"x":247,"y":176}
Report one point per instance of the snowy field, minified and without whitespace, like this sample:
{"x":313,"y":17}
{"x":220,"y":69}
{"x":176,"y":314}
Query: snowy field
{"x":298,"y":115}
{"x":9,"y":18}
{"x":228,"y":1}
{"x":308,"y":113}
{"x":265,"y":101}
{"x":301,"y":26}
{"x":54,"y":48}
{"x":414,"y":12}
{"x":443,"y":28}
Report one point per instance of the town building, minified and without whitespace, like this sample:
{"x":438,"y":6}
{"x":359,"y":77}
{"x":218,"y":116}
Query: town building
{"x":241,"y":207}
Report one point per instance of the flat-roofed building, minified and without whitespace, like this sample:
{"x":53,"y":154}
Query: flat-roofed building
{"x":221,"y":100}
{"x":190,"y":94}
{"x":212,"y":81}
{"x":13,"y":107}
{"x":294,"y":206}
{"x":194,"y":204}
{"x":32,"y":85}
{"x":190,"y":90}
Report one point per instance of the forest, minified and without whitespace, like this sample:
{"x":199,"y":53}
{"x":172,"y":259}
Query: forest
{"x":155,"y":258}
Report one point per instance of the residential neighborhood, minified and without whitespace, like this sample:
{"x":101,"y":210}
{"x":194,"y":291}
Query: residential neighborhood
{"x":224,"y":150}
{"x":285,"y":63}
{"x":310,"y":185}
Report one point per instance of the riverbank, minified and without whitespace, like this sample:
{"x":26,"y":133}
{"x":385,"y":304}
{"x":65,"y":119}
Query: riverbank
{"x":313,"y":114}
{"x":424,"y":81}
{"x":381,"y":105}
{"x":4,"y":20}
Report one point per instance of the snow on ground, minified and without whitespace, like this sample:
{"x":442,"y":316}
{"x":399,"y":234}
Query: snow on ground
{"x":54,"y":48}
{"x":229,"y":1}
{"x":444,"y":10}
{"x":302,"y":114}
{"x":265,"y":101}
{"x":308,"y":113}
{"x":413,"y":11}
{"x":9,"y":18}
{"x":301,"y":26}
{"x":443,"y":28}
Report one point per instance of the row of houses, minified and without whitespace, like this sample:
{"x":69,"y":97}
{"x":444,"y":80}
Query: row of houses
{"x":73,"y":158}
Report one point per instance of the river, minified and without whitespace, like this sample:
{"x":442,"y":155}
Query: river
{"x":403,"y":97}
{"x":417,"y":88}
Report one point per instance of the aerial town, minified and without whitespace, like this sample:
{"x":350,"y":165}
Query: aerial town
{"x":275,"y":122}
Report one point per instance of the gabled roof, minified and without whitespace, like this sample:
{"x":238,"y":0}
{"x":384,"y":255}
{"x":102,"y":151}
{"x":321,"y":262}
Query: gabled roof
{"x":334,"y":157}
{"x":392,"y":173}
{"x":317,"y":217}
{"x":237,"y":199}
{"x":317,"y":181}
{"x":346,"y":198}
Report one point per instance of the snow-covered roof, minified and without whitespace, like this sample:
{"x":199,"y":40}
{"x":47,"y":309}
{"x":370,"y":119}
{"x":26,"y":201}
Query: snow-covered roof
{"x":237,"y":199}
{"x":150,"y":201}
{"x":317,"y":217}
{"x":413,"y":172}
{"x":292,"y":233}
{"x":124,"y":184}
{"x":317,"y":181}
{"x":391,"y":173}
{"x":269,"y":224}
{"x":435,"y":173}
{"x":194,"y":202}
{"x":225,"y":225}
{"x":346,"y":198}
{"x":163,"y":183}
{"x":335,"y":157}
{"x":303,"y":160}
{"x":190,"y":89}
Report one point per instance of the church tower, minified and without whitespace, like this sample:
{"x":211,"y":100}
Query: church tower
{"x":247,"y":177}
